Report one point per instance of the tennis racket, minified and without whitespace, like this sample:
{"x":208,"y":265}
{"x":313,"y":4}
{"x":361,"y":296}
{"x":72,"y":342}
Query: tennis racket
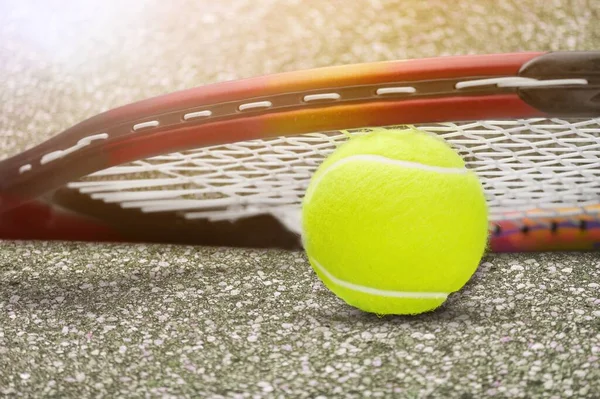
{"x":228,"y":164}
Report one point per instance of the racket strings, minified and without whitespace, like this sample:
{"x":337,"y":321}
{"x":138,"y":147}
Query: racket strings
{"x":531,"y":168}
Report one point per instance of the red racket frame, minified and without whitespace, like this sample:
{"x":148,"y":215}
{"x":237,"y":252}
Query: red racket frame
{"x":28,"y":185}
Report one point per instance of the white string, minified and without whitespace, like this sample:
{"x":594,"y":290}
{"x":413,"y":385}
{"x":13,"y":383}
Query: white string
{"x":529,"y":168}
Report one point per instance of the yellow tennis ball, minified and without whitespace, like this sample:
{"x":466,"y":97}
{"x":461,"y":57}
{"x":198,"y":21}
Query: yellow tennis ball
{"x":393,"y":222}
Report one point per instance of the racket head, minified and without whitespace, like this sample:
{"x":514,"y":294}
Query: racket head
{"x":511,"y":87}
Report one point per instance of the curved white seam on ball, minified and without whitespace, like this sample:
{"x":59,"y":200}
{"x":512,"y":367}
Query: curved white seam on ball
{"x":375,"y":291}
{"x":388,"y":161}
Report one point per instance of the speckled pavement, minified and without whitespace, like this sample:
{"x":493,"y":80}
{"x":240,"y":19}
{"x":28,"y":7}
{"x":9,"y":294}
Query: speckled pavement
{"x":135,"y":321}
{"x":83,"y":320}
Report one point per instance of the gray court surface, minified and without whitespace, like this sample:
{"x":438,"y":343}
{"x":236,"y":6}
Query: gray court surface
{"x":132,"y":321}
{"x":100,"y":320}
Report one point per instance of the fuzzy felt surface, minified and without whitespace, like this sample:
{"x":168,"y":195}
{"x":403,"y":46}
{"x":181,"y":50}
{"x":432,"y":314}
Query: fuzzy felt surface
{"x":395,"y":212}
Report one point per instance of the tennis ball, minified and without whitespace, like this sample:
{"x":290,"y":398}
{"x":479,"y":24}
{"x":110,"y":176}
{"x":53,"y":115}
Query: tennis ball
{"x":393,"y":222}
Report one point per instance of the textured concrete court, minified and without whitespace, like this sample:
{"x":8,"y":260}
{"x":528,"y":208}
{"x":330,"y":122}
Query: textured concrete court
{"x":86,"y":320}
{"x":136,"y":320}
